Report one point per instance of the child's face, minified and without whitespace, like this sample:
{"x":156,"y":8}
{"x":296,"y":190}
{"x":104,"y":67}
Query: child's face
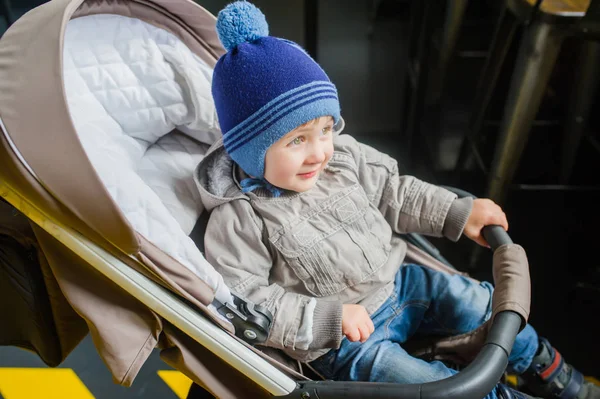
{"x":296,"y":160}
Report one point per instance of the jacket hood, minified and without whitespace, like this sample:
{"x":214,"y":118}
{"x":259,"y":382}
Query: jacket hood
{"x":215,"y":178}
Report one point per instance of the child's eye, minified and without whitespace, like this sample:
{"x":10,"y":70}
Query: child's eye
{"x":326,"y":130}
{"x":297,"y":141}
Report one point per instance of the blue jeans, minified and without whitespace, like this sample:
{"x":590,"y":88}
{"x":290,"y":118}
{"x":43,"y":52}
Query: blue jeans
{"x":427,"y":302}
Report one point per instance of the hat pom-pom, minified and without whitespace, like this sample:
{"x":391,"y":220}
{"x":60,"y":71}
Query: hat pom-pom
{"x":240,"y":22}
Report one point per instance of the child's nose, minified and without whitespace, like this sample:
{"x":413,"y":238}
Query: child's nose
{"x":317,"y":154}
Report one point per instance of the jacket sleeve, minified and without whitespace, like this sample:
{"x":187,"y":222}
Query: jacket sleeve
{"x":234,"y":246}
{"x":408,"y":204}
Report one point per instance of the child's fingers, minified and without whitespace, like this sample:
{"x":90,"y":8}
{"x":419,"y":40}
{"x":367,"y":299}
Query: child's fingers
{"x":502,"y":221}
{"x":364,"y":332}
{"x":481,"y":241}
{"x":505,"y":224}
{"x":353,"y":335}
{"x":497,"y":219}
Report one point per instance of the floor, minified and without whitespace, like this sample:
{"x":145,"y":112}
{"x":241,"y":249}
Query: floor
{"x":83,"y":376}
{"x":365,"y":58}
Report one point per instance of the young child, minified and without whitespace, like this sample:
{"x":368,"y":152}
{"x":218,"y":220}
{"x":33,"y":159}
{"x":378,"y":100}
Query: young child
{"x":302,"y":221}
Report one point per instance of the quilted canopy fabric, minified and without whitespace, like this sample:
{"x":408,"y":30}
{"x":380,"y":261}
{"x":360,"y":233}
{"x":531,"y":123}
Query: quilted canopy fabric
{"x":141,"y":104}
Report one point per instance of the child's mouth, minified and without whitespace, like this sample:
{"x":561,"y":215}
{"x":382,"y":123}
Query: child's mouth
{"x":307,"y":175}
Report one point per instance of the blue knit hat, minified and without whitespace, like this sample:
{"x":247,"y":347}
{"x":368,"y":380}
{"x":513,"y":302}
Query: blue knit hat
{"x":264,"y":87}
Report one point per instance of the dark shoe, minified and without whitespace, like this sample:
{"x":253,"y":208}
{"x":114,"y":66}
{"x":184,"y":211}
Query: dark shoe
{"x":505,"y":392}
{"x":549,"y":376}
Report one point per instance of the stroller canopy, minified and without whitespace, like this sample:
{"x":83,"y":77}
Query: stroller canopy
{"x":106,"y":109}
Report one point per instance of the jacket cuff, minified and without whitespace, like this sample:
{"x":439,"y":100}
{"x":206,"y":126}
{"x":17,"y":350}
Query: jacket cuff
{"x":327,"y":325}
{"x":457,"y":217}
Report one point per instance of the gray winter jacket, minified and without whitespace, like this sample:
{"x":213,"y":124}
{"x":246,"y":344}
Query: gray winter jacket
{"x":303,"y":255}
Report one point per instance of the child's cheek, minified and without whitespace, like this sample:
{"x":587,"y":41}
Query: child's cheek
{"x":284,"y":169}
{"x":329,"y":155}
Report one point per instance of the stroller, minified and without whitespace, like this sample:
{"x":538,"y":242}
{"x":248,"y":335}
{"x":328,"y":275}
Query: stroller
{"x":102,"y":177}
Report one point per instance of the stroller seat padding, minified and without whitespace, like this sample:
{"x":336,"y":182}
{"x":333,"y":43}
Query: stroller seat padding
{"x":141,"y":104}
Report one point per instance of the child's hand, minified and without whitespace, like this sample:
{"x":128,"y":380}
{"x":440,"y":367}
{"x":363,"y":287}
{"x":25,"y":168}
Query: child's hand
{"x":356,"y":323}
{"x":485,"y":213}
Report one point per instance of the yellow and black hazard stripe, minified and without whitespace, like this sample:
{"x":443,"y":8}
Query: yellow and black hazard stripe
{"x":63,"y":383}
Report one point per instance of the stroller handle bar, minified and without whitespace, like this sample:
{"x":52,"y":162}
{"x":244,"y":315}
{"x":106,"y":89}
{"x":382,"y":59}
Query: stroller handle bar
{"x":474,"y":382}
{"x":496,"y":236}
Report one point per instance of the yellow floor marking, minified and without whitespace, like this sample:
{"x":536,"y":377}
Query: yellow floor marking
{"x":177,"y":381}
{"x":511,"y":379}
{"x":593,"y":380}
{"x":39,"y":383}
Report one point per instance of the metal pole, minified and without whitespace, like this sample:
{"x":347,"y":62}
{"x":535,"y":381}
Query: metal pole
{"x":537,"y":55}
{"x":503,"y":36}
